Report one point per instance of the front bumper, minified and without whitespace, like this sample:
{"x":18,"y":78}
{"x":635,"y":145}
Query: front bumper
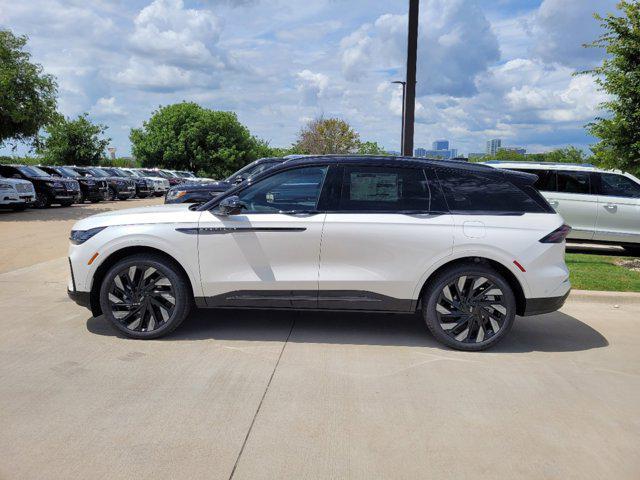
{"x":538,"y":306}
{"x":81,"y":298}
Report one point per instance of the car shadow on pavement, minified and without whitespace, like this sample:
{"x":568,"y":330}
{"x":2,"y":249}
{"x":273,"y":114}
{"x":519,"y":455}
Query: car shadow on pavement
{"x":554,"y":332}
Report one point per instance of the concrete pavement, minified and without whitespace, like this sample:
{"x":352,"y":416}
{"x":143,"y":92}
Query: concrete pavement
{"x":249,"y":395}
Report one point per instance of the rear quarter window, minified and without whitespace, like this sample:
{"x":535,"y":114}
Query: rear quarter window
{"x":485,"y":193}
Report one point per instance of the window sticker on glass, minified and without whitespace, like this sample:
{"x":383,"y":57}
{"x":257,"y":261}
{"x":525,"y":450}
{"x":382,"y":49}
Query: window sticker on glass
{"x":380,"y":187}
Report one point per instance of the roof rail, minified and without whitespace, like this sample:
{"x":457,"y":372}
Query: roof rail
{"x":531,"y":162}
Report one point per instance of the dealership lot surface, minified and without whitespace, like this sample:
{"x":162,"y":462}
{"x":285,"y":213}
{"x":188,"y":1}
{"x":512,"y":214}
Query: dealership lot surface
{"x":301,"y":395}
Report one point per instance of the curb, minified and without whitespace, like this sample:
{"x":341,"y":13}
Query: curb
{"x":605,"y":297}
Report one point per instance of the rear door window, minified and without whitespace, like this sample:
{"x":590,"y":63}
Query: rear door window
{"x":614,"y":185}
{"x":574,"y":182}
{"x":383,"y":189}
{"x":485,"y":193}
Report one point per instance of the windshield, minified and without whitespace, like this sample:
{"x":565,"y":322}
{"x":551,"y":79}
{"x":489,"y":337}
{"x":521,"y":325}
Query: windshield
{"x":170,"y":174}
{"x":98,"y":172}
{"x":33,"y":172}
{"x":114,"y":172}
{"x":187,"y":174}
{"x":251,"y":170}
{"x":67,"y":171}
{"x":152,"y":173}
{"x":128,"y":173}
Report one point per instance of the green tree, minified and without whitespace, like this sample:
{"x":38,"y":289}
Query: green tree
{"x":619,"y":76}
{"x":186,"y":136}
{"x":371,"y":148}
{"x":327,"y":135}
{"x":74,"y":142}
{"x":569,"y":154}
{"x":27,"y":95}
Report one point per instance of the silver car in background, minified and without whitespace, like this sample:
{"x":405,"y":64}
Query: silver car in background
{"x":601,"y":206}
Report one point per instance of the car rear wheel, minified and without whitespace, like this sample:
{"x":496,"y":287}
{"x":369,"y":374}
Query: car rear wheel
{"x":145,"y":296}
{"x":469,"y":307}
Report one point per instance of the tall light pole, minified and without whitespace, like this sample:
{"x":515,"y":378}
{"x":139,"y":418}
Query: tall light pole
{"x":404,"y":90}
{"x":410,"y":96}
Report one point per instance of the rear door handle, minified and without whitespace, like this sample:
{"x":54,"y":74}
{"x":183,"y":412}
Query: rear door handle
{"x":612,"y":207}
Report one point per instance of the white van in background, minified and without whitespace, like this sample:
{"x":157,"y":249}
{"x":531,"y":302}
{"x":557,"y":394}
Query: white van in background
{"x":601,"y":206}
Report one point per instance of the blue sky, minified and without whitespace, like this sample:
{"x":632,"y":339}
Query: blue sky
{"x":486,"y":68}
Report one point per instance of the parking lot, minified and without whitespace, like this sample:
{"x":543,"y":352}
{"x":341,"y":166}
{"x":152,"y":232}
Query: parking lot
{"x":250,"y":394}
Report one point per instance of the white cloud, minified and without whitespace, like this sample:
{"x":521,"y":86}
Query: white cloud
{"x":455,"y":44}
{"x":561,"y":27}
{"x":107,"y":107}
{"x":172,"y":34}
{"x":312,"y":86}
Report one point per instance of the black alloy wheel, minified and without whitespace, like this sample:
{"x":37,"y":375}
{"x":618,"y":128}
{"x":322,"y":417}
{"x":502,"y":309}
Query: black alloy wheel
{"x":145,"y":296}
{"x":470,"y":308}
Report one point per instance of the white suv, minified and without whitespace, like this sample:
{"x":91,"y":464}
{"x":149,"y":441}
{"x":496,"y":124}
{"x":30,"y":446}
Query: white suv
{"x":468,"y":245}
{"x":16,"y":194}
{"x":600,"y":206}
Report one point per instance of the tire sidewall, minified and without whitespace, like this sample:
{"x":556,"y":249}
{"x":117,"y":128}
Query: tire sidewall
{"x":431,"y":298}
{"x":177,"y":280}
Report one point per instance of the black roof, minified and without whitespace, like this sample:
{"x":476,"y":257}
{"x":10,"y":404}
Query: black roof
{"x":387,"y":160}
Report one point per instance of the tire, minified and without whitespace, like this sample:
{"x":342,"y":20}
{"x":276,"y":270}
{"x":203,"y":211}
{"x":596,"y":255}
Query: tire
{"x":113,"y":195}
{"x":149,"y":315}
{"x":19,"y":208}
{"x":42,"y":201}
{"x":66,"y":204}
{"x":494,"y":313}
{"x":95,"y":200}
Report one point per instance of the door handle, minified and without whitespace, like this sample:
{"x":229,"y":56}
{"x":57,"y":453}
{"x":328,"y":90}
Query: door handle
{"x":612,"y":207}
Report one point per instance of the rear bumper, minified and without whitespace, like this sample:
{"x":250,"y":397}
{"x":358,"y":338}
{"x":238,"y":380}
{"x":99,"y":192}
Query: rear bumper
{"x":538,"y":306}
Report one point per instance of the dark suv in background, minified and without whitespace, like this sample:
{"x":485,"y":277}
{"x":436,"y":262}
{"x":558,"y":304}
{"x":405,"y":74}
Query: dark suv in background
{"x":200,"y":192}
{"x":49,"y":189}
{"x":91,"y":189}
{"x":144,"y":187}
{"x":119,"y":188}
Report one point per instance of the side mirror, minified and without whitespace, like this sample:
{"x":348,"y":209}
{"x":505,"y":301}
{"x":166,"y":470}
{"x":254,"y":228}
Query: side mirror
{"x":231,"y":206}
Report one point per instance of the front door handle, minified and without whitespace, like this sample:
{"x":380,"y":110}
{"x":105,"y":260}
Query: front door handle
{"x":612,"y":207}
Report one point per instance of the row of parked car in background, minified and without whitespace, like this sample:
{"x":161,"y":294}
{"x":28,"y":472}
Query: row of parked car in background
{"x":23,"y":186}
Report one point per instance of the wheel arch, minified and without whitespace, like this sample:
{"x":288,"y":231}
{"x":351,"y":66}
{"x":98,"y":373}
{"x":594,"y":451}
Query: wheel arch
{"x":103,"y":268}
{"x":508,"y":275}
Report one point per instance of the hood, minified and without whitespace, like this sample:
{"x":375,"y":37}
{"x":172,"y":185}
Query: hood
{"x":220,"y":186}
{"x":174,"y":213}
{"x":14,"y":181}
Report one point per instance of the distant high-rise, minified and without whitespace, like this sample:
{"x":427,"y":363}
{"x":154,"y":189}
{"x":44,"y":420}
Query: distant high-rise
{"x":420,"y":152}
{"x":493,"y":146}
{"x":440,"y":145}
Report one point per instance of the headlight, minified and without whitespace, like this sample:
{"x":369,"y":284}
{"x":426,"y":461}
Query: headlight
{"x":120,"y":182}
{"x":80,"y":236}
{"x":174,"y":194}
{"x":6,"y":186}
{"x":54,"y":184}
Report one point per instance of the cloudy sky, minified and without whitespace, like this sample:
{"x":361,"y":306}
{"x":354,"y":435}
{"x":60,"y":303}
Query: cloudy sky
{"x":486,"y":68}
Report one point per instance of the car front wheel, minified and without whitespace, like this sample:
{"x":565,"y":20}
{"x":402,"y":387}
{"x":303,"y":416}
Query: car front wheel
{"x":469,"y":307}
{"x":145,"y":296}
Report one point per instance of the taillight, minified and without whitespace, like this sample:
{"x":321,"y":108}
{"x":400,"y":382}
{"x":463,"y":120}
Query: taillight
{"x":558,"y":235}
